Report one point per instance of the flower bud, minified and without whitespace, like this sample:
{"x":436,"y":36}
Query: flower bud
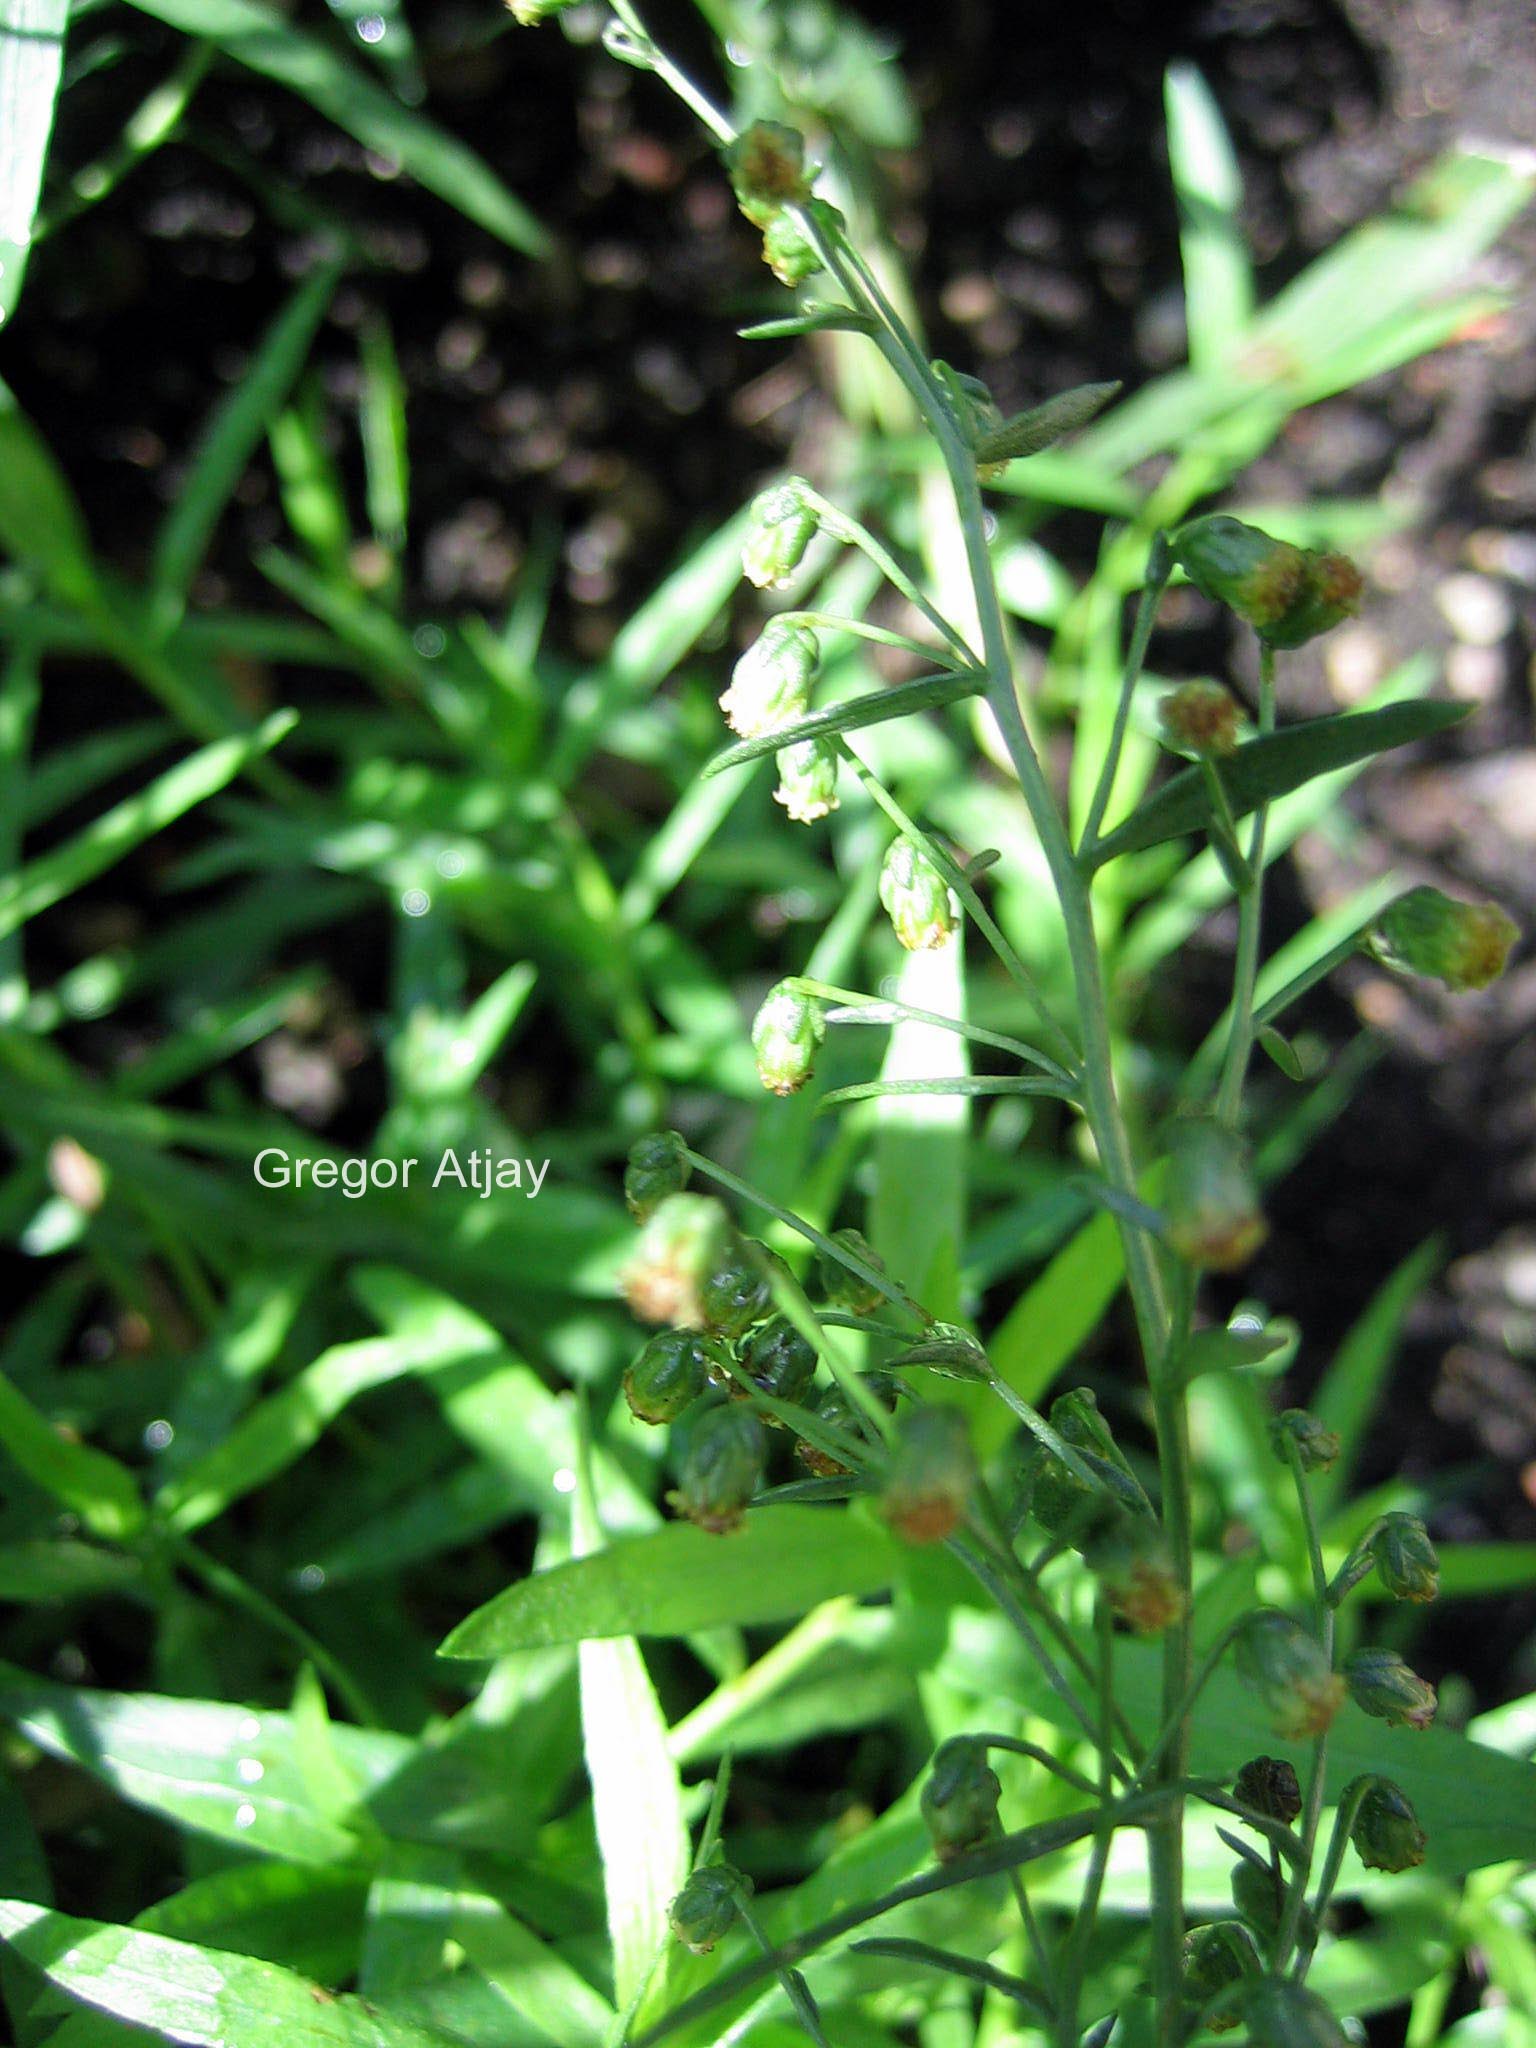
{"x":844,"y":1288}
{"x":1210,"y":1203}
{"x":779,"y":1361}
{"x":680,"y":1243}
{"x":785,"y":1035}
{"x":771,"y":683}
{"x":783,"y":525}
{"x":1268,"y":1784}
{"x":531,"y":13}
{"x":1064,"y":1504}
{"x":1290,"y":1672}
{"x":1280,"y":2013}
{"x":720,"y":1466}
{"x":1215,"y":1956}
{"x":1428,"y":933}
{"x":1383,"y":1686}
{"x":1385,"y":1831}
{"x":807,"y":780}
{"x":1316,"y":1447}
{"x":669,"y":1374}
{"x":960,"y":1798}
{"x":1258,"y":1895}
{"x":838,"y":1412}
{"x":766,"y":167}
{"x":1287,"y":594}
{"x":704,"y":1909}
{"x":737,"y":1291}
{"x":932,"y":1475}
{"x":1130,"y":1558}
{"x":787,"y":253}
{"x":1200,"y":719}
{"x":916,"y":897}
{"x":656,"y":1168}
{"x":1405,"y":1558}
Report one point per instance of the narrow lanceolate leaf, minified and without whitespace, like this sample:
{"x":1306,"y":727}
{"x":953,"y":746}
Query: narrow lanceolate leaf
{"x":261,"y":39}
{"x":1218,"y":276}
{"x":41,"y":523}
{"x":637,"y":1799}
{"x":31,"y":57}
{"x":93,"y":1484}
{"x":1263,"y":769}
{"x":784,"y":1561}
{"x":815,"y":320}
{"x":1027,"y":433}
{"x":203,"y":1997}
{"x":56,"y":874}
{"x":925,"y":694}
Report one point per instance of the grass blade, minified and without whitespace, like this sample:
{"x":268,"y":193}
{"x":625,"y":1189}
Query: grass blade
{"x":1350,"y":1389}
{"x":31,"y":58}
{"x":103,"y":1493}
{"x":262,"y":40}
{"x":1218,"y":276}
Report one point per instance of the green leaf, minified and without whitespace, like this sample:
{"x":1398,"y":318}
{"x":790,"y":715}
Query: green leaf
{"x":1352,"y":1385}
{"x":102,"y":1492}
{"x":1272,"y":766}
{"x":1058,"y":1312}
{"x":925,"y":694}
{"x":203,"y":1997}
{"x":679,"y":1580}
{"x":31,"y":59}
{"x":264,"y":41}
{"x":64,"y":869}
{"x":41,"y":523}
{"x":814,"y":320}
{"x":1029,"y":433}
{"x":44,"y":1573}
{"x":1226,"y":1350}
{"x":1218,"y":276}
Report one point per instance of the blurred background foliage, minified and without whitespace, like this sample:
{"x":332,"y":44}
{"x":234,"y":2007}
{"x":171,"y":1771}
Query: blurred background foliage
{"x":372,"y":442}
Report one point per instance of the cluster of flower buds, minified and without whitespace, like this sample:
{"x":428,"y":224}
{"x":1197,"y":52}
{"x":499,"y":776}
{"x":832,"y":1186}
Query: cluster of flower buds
{"x":703,"y":1911}
{"x":1211,"y":1209}
{"x":1287,"y":594}
{"x":786,"y":1033}
{"x":1280,"y":2012}
{"x":719,"y":1467}
{"x":1200,"y":719}
{"x":1398,"y":1549}
{"x":915,"y":896}
{"x":1431,"y":935}
{"x":1385,"y":1829}
{"x":1290,"y":1671}
{"x":1215,"y":1957}
{"x":770,"y":685}
{"x":932,"y":1476}
{"x":1383,"y":1686}
{"x":657,"y":1167}
{"x":1315,"y":1445}
{"x":960,"y":1798}
{"x":769,"y":175}
{"x":681,"y":1242}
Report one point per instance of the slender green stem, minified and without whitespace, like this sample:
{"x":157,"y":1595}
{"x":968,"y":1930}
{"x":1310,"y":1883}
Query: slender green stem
{"x":1333,"y":1862}
{"x":1159,"y":568}
{"x":892,"y":1012}
{"x":883,"y":636}
{"x":1312,"y":1807}
{"x":1182,"y":1708}
{"x":841,"y":527}
{"x":1032,"y":1934}
{"x":1070,"y":2005}
{"x":1250,"y":912}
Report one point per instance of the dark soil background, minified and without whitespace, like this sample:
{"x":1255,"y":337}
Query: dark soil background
{"x":601,"y":405}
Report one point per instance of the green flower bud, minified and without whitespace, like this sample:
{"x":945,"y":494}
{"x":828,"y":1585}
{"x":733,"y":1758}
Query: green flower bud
{"x":785,"y":1035}
{"x":916,"y":897}
{"x":1200,"y":719}
{"x":669,"y":1374}
{"x":1215,"y":1956}
{"x":1210,"y":1204}
{"x":771,"y":683}
{"x":1385,"y":1831}
{"x":959,"y":1801}
{"x":1316,"y":1447}
{"x":1383,"y":1686}
{"x":1065,"y":1505}
{"x":838,"y":1412}
{"x":737,"y":1291}
{"x":1405,"y":1558}
{"x":787,"y":253}
{"x":767,"y":170}
{"x":1130,"y":1558}
{"x":531,"y":13}
{"x":656,"y":1168}
{"x":933,"y":1474}
{"x":779,"y":1361}
{"x":947,"y":1349}
{"x":1290,"y":1672}
{"x":1259,"y":1896}
{"x":783,"y":526}
{"x":703,"y":1911}
{"x":1268,"y":1784}
{"x":1280,"y":2013}
{"x":1428,"y":933}
{"x":719,"y":1469}
{"x":1287,"y":594}
{"x":843,"y":1288}
{"x":680,"y":1243}
{"x":807,"y":780}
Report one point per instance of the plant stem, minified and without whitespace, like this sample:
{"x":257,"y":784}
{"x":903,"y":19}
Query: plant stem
{"x":1076,"y":1964}
{"x":1250,"y":910}
{"x":1290,"y":1919}
{"x":1159,"y":568}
